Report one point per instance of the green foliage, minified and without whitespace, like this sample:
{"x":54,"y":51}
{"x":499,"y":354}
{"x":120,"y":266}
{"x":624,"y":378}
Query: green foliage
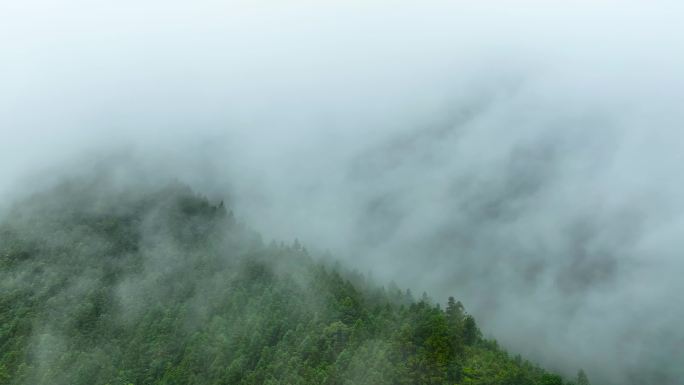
{"x":551,"y":379}
{"x":167,"y":288}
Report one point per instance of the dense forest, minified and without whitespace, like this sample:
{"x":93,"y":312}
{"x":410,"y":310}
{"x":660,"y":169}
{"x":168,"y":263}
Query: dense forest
{"x":119,"y":286}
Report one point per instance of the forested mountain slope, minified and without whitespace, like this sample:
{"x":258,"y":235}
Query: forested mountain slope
{"x":107,"y":286}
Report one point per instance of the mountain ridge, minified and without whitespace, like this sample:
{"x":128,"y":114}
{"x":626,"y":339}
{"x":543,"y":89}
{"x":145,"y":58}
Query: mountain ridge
{"x":114,"y":286}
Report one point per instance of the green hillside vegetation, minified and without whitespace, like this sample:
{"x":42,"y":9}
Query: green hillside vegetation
{"x":107,"y":286}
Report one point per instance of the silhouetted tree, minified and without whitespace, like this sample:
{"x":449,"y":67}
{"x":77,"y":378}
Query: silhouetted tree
{"x":582,"y":378}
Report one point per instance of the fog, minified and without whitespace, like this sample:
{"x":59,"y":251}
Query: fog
{"x":525,"y":158}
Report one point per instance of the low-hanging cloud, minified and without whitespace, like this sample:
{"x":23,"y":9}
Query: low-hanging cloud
{"x":524,"y":158}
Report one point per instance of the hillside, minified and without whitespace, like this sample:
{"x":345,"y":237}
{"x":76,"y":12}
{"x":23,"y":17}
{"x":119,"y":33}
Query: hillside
{"x":117,"y":287}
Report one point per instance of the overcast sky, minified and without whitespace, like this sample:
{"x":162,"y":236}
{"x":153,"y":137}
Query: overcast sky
{"x":525,"y":157}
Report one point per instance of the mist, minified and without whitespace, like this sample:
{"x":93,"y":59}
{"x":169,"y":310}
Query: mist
{"x":524,"y":158}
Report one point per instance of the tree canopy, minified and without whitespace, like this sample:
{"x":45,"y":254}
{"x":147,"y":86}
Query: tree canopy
{"x":164,"y":287}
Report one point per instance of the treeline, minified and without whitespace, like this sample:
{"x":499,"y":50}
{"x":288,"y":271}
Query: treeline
{"x":164,"y":287}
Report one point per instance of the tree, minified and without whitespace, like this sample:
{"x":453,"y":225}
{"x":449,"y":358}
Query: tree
{"x":582,"y":378}
{"x":471,"y":333}
{"x":454,"y":311}
{"x":551,"y":379}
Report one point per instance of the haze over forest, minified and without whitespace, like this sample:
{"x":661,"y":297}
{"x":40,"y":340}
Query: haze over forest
{"x":525,"y":158}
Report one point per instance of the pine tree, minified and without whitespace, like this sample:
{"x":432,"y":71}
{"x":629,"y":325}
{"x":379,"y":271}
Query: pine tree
{"x":582,"y":378}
